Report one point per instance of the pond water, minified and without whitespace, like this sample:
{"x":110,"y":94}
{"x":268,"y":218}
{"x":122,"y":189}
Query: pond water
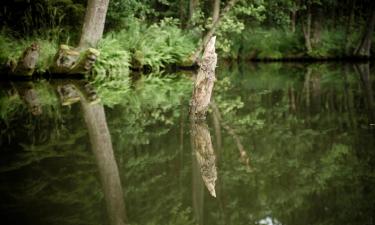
{"x":282,"y":144}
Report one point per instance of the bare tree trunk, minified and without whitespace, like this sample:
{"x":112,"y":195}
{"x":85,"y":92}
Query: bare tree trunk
{"x":307,"y":30}
{"x":216,"y":10}
{"x":93,"y":25}
{"x":102,"y":148}
{"x":204,"y":83}
{"x":363,"y":49}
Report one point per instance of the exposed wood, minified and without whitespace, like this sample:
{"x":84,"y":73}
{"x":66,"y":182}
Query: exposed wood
{"x":204,"y":83}
{"x":70,"y":61}
{"x":25,"y":66}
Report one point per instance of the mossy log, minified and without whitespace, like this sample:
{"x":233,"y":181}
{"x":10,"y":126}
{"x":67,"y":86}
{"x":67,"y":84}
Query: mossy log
{"x":26,"y":64}
{"x":70,"y":61}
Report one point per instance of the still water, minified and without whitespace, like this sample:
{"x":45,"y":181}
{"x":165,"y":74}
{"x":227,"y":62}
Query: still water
{"x":284,"y":144}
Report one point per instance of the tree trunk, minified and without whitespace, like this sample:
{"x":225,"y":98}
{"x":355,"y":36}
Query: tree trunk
{"x":363,"y":49}
{"x":211,"y":32}
{"x":93,"y":25}
{"x":204,"y":83}
{"x":216,"y":10}
{"x":293,"y":18}
{"x":193,"y":5}
{"x":317,"y":18}
{"x":349,"y":27}
{"x":307,"y":30}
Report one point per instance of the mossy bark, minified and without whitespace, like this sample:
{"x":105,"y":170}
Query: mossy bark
{"x":26,"y":64}
{"x":70,"y":61}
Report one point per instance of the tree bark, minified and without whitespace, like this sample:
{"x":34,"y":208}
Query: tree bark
{"x":363,"y":49}
{"x":93,"y":25}
{"x":204,"y":83}
{"x":216,"y":10}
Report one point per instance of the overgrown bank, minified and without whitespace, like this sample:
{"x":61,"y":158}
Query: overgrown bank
{"x":152,"y":35}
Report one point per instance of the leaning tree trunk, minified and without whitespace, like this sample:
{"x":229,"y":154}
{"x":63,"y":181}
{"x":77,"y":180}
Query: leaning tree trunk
{"x":211,"y":32}
{"x":204,"y":83}
{"x":93,"y":25}
{"x":363,"y":49}
{"x":216,"y":10}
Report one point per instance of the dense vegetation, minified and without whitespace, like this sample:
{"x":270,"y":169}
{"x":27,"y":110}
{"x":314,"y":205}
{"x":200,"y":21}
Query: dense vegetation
{"x":157,"y":33}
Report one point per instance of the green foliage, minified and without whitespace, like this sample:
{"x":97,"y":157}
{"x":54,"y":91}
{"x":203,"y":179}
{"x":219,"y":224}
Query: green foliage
{"x":269,"y":43}
{"x":12,"y":49}
{"x":111,"y":71}
{"x":154,"y":101}
{"x":156,"y":45}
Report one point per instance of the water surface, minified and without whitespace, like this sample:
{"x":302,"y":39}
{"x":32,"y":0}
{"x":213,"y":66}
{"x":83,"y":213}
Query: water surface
{"x":282,"y":144}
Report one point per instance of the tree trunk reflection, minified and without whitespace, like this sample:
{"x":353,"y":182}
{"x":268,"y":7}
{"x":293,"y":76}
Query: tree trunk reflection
{"x":101,"y":145}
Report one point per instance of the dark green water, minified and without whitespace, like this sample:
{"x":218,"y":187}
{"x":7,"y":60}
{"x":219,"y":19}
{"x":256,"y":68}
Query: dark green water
{"x":291,"y":144}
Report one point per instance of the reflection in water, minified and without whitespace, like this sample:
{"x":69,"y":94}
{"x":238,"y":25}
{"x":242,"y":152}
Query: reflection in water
{"x":313,"y":163}
{"x":204,"y":153}
{"x":29,"y":95}
{"x":363,"y":71}
{"x":102,"y":148}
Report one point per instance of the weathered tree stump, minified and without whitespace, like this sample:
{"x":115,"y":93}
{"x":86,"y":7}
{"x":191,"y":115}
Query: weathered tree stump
{"x":26,"y":64}
{"x":204,"y":83}
{"x":70,"y":61}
